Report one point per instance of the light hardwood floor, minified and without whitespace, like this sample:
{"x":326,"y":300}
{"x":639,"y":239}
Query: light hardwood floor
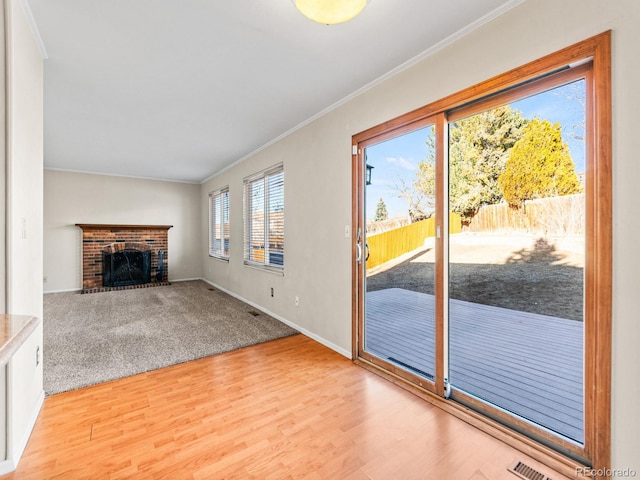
{"x":290,"y":408}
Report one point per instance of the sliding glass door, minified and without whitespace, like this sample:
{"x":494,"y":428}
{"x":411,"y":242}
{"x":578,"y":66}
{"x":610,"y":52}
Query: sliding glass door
{"x":398,"y":257}
{"x":516,"y":271}
{"x":482,"y":250}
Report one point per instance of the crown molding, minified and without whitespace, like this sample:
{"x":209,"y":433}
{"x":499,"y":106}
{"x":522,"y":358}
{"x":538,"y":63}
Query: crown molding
{"x":135,"y":177}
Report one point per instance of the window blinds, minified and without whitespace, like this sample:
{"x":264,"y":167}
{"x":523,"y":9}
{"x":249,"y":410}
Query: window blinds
{"x":219,"y":223}
{"x":264,"y":218}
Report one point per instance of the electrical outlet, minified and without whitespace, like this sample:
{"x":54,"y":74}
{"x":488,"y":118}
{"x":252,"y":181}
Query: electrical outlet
{"x":297,"y":301}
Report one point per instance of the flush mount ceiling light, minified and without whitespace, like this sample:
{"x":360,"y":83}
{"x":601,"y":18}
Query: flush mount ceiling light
{"x":330,"y":12}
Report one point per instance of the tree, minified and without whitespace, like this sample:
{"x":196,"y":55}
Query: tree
{"x":381,"y":211}
{"x":479,"y":147}
{"x":478,"y":150}
{"x":540,"y":165}
{"x":575,"y":93}
{"x":420,"y":194}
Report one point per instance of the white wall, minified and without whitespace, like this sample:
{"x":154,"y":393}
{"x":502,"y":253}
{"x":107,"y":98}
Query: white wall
{"x":3,"y":169}
{"x":71,"y":198}
{"x":24,"y":167}
{"x":317,"y":164}
{"x":23,"y":222}
{"x":317,"y":254}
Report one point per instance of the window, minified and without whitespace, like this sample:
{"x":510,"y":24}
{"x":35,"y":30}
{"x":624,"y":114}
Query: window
{"x":264,"y":218}
{"x":219,"y":223}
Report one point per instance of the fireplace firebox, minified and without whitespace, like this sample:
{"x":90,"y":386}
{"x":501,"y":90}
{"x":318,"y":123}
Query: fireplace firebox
{"x":126,"y":267}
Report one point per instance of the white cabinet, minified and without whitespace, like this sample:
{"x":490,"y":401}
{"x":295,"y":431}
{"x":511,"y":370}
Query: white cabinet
{"x":22,"y":393}
{"x":3,"y":413}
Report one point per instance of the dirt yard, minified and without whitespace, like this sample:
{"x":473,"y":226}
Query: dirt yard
{"x":520,"y":272}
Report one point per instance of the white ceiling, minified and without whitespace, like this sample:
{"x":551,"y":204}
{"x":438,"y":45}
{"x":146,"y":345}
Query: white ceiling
{"x":178,"y":90}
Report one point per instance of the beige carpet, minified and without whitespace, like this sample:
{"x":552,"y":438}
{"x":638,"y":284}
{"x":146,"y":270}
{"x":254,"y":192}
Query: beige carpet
{"x":93,"y":338}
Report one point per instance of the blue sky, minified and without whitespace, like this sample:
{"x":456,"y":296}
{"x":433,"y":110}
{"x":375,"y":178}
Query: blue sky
{"x":396,"y":160}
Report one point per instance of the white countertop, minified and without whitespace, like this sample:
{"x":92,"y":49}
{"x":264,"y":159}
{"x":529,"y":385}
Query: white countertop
{"x":14,"y":330}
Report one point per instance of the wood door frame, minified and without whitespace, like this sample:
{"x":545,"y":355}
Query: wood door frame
{"x":598,"y":255}
{"x":359,"y":270}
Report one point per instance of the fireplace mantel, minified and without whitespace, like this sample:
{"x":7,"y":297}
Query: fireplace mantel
{"x":100,"y":226}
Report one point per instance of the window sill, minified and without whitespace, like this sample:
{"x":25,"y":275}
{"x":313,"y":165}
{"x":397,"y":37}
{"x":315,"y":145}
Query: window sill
{"x":265,"y":268}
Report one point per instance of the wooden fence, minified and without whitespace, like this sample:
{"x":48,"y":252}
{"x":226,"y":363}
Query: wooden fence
{"x":393,"y":243}
{"x":380,"y":226}
{"x":557,"y":216}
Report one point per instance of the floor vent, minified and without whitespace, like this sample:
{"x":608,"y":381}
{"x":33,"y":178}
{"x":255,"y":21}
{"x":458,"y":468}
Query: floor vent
{"x":254,"y":313}
{"x":212,"y":289}
{"x":525,"y":472}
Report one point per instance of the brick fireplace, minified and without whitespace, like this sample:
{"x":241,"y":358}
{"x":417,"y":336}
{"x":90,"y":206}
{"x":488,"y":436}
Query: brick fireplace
{"x":102,"y":243}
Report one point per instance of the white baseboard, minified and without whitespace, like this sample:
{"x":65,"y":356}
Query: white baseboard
{"x":63,"y":290}
{"x":10,"y":464}
{"x":7,"y":466}
{"x":302,"y":330}
{"x":32,"y":423}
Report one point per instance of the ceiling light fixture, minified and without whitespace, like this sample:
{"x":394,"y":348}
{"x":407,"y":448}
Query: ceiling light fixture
{"x":330,"y":12}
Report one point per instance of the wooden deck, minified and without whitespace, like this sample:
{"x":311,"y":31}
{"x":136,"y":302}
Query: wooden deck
{"x":528,"y":364}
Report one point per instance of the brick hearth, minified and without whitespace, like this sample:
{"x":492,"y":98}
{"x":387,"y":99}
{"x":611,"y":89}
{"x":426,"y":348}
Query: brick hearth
{"x":99,"y":237}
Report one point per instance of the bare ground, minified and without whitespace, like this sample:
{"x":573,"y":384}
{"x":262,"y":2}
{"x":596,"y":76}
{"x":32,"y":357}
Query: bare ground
{"x":519,"y":272}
